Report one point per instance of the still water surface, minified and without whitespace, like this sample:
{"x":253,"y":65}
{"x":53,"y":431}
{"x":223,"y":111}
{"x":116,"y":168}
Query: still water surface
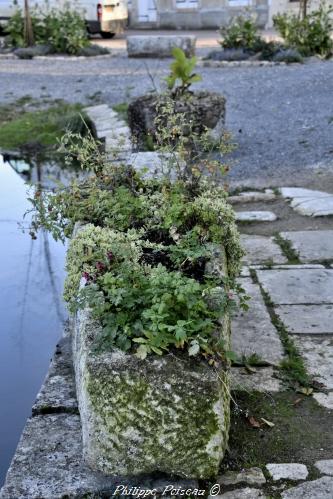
{"x":31,"y":309}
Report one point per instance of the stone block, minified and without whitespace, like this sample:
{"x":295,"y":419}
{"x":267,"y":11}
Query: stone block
{"x":287,"y":471}
{"x":299,"y":286}
{"x":165,"y":414}
{"x":307,"y":319}
{"x":255,"y":216}
{"x":250,"y":476}
{"x":309,"y":202}
{"x":159,"y":46}
{"x":311,"y":245}
{"x":317,"y":489}
{"x":263,"y":380}
{"x":261,"y":249}
{"x":325,"y":466}
{"x":58,"y":392}
{"x":252,"y":331}
{"x":318,"y":357}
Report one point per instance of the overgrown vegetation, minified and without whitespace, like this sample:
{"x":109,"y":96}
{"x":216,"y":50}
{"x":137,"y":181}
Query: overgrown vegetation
{"x":63,"y":29}
{"x":144,"y":253}
{"x":311,"y":34}
{"x":29,"y":129}
{"x":241,"y":41}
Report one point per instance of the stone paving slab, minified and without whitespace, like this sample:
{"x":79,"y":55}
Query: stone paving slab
{"x":324,"y":399}
{"x":307,"y":319}
{"x":48,"y":462}
{"x":261,"y":249}
{"x":317,"y":489}
{"x":287,"y":471}
{"x":58,"y":392}
{"x":263,"y":380}
{"x":250,"y":476}
{"x":252,"y":331}
{"x":318,"y":357}
{"x":325,"y":466}
{"x":252,"y":197}
{"x":311,"y":245}
{"x":309,"y":202}
{"x":255,"y":216}
{"x":299,"y":286}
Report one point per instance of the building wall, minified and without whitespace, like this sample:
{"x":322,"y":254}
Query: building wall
{"x":193,"y":14}
{"x":284,"y":6}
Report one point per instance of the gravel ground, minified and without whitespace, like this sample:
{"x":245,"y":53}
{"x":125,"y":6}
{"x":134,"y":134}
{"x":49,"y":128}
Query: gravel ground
{"x":281,"y":117}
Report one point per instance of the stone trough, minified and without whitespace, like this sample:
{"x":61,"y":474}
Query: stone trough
{"x":169,"y":414}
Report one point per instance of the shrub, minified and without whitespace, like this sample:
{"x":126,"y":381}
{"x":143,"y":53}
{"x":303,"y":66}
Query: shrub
{"x":242,"y":32}
{"x":288,"y":55}
{"x":63,"y":29}
{"x":311,"y":35}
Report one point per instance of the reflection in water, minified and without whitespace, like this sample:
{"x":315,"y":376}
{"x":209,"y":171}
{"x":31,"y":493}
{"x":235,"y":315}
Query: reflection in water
{"x":31,"y":308}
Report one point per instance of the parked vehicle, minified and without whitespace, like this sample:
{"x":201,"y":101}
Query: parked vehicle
{"x":106,"y":17}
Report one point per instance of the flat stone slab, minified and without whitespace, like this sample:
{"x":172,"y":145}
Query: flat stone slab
{"x":160,"y":45}
{"x":251,"y":476}
{"x":246,"y":493}
{"x":262,"y":380}
{"x":48,"y":462}
{"x":151,"y":163}
{"x":58,"y":393}
{"x":299,"y":286}
{"x":317,"y":489}
{"x":307,"y":319}
{"x":308,"y":202}
{"x":324,"y":399}
{"x":325,"y":466}
{"x":318,"y":357}
{"x":252,"y":331}
{"x":255,"y":216}
{"x":311,"y":245}
{"x":287,"y":471}
{"x":261,"y":249}
{"x":252,"y":197}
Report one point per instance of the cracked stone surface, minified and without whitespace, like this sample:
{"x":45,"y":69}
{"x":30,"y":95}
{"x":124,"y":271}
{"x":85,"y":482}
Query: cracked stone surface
{"x":262,"y":380}
{"x":246,"y":493}
{"x":255,"y":216}
{"x":252,"y":331}
{"x":308,"y":202}
{"x":58,"y":392}
{"x":325,"y":466}
{"x":311,"y":245}
{"x":318,"y":357}
{"x":307,"y":319}
{"x":317,"y":489}
{"x":251,"y":476}
{"x":261,"y":249}
{"x":287,"y":471}
{"x":308,"y":286}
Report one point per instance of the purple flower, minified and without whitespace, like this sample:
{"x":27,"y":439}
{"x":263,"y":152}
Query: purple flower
{"x":110,"y":256}
{"x":86,"y":276}
{"x":100,"y":266}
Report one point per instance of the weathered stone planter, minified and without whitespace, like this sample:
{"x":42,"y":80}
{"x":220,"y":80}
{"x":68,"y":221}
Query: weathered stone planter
{"x":203,"y":109}
{"x":168,"y":414}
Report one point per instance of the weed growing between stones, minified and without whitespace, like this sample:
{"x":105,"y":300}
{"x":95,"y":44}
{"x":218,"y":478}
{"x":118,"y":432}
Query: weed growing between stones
{"x":287,"y":249}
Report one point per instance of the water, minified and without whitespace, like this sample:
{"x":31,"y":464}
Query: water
{"x":31,"y":309}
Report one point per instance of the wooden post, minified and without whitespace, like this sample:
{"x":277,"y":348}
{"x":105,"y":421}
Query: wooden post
{"x":28,"y":30}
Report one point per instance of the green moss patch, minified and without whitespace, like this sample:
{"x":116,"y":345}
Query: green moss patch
{"x":297,"y":435}
{"x":24,"y":128}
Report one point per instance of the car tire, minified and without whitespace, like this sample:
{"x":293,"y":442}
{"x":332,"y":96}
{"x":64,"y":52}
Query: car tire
{"x":107,"y":34}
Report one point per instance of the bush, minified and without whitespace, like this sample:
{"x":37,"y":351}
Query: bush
{"x":242,"y":32}
{"x":311,"y":35}
{"x":63,"y":29}
{"x":288,"y":55}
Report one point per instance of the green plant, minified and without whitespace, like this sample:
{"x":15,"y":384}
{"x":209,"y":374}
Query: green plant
{"x":242,"y":32}
{"x":182,"y":71}
{"x":63,"y":29}
{"x":310,"y":35}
